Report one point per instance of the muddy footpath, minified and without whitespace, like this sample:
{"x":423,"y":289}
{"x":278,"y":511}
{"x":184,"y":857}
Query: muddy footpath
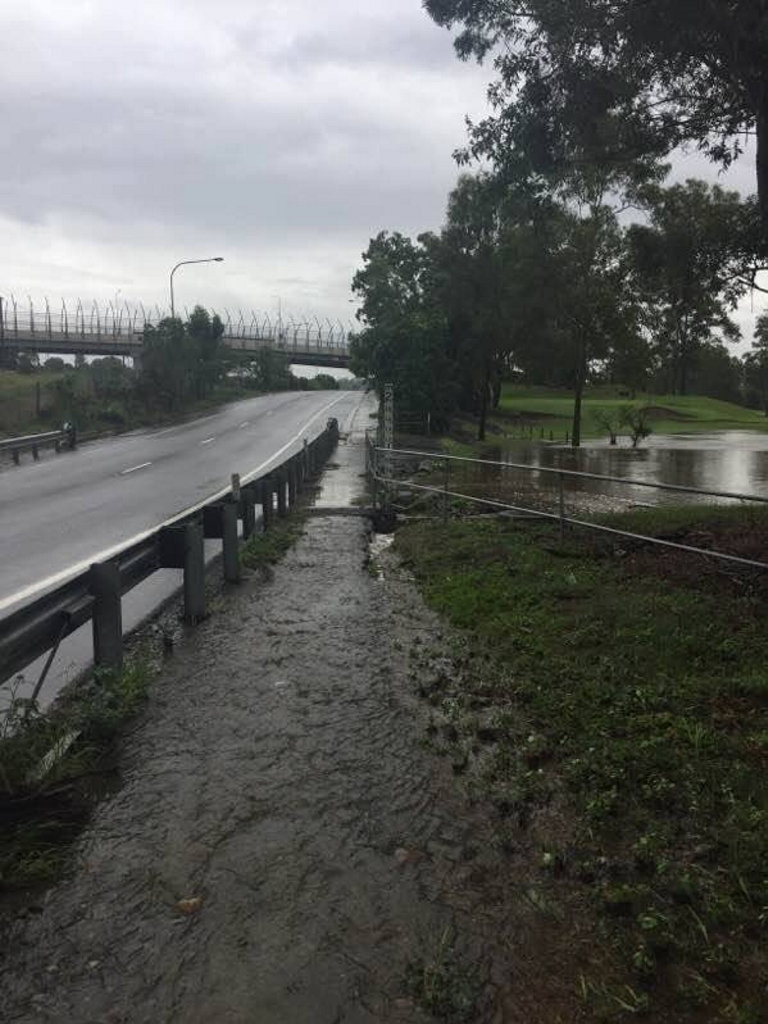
{"x":284,"y":848}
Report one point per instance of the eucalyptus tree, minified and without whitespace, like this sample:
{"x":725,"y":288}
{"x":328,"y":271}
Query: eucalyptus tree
{"x":181,"y":361}
{"x":403,"y":340}
{"x":756,"y":363}
{"x":617,"y":84}
{"x":690,"y":269}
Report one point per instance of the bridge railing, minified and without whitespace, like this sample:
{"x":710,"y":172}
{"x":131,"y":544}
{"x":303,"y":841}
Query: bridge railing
{"x":41,"y":623}
{"x":25,"y":321}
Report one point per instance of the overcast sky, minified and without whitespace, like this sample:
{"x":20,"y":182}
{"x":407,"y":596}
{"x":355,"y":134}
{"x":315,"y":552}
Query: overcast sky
{"x":279,"y":134}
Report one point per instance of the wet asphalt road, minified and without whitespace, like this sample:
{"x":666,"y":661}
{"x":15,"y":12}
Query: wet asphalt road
{"x":66,"y":509}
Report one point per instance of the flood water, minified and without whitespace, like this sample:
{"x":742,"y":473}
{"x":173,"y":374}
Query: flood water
{"x":734,"y":461}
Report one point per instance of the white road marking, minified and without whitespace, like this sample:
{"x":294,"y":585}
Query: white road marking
{"x":103,"y":556}
{"x":133,"y":469}
{"x":246,"y":424}
{"x":207,"y":441}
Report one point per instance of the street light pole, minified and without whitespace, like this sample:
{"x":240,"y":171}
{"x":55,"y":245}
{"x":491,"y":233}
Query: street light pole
{"x":184,"y":263}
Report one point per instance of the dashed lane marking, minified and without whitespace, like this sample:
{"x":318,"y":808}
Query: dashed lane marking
{"x":134,"y":469}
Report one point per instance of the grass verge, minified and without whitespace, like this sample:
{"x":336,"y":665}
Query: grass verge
{"x":54,"y":767}
{"x":264,"y":550}
{"x":547,"y":413}
{"x":612,"y":708}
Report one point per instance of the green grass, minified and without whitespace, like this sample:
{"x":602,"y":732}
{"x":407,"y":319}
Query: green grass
{"x":18,"y":401}
{"x":632,"y":706}
{"x":524,"y":409}
{"x":264,"y":550}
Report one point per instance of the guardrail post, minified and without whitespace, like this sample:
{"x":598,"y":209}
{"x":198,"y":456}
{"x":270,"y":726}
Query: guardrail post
{"x":107,"y":615}
{"x":561,"y":504}
{"x":183,"y":547}
{"x":220,"y":523}
{"x":292,"y":482}
{"x":248,"y":511}
{"x":267,"y":504}
{"x":282,"y":504}
{"x":230,"y":544}
{"x":304,"y":461}
{"x":194,"y":573}
{"x":35,"y":453}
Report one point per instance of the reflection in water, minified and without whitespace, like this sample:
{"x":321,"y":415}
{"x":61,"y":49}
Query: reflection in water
{"x":734,"y":461}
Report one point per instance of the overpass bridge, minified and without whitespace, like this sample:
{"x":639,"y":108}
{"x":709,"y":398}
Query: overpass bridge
{"x":119,"y":331}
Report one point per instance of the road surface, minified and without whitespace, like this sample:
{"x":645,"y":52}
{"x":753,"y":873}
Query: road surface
{"x":71,"y":509}
{"x":60,"y":514}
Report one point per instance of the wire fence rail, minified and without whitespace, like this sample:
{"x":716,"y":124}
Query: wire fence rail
{"x":547,"y":504}
{"x":41,"y":622}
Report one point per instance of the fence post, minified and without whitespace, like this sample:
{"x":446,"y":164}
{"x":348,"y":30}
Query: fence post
{"x":107,"y":615}
{"x":446,"y":488}
{"x":561,"y":503}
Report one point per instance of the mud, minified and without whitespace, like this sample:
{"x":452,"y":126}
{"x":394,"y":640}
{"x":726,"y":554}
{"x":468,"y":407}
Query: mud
{"x":284,"y":848}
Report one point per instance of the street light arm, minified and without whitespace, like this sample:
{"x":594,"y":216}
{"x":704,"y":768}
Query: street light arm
{"x":184,"y":263}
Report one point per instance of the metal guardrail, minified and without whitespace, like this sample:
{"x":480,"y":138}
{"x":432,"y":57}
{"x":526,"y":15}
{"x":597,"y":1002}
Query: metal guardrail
{"x":14,"y":446}
{"x":381,"y":458}
{"x":96,"y":593}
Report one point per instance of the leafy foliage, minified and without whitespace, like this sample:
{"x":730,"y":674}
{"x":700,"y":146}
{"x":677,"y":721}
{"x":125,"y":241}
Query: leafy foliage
{"x":603,"y":89}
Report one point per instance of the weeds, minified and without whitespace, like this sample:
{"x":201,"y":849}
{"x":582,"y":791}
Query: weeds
{"x":443,"y":985}
{"x":53,"y":767}
{"x":264,"y":550}
{"x":639,"y":701}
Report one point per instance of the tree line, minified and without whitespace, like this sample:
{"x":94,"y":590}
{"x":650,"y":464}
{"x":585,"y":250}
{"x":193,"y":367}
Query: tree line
{"x":570,"y":259}
{"x":183,"y":363}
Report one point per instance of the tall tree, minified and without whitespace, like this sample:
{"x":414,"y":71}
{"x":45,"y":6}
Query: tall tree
{"x":181,"y":361}
{"x":618,"y":82}
{"x":690,"y":270}
{"x":404,"y":336}
{"x":756,"y":363}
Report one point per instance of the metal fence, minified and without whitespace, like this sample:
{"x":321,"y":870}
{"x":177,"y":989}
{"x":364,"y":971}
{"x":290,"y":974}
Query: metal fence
{"x":23,"y":321}
{"x":95,"y":594}
{"x":493,"y":486}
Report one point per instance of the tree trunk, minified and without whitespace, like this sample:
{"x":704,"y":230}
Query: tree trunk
{"x":484,"y":402}
{"x":581,"y":373}
{"x":761,"y":125}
